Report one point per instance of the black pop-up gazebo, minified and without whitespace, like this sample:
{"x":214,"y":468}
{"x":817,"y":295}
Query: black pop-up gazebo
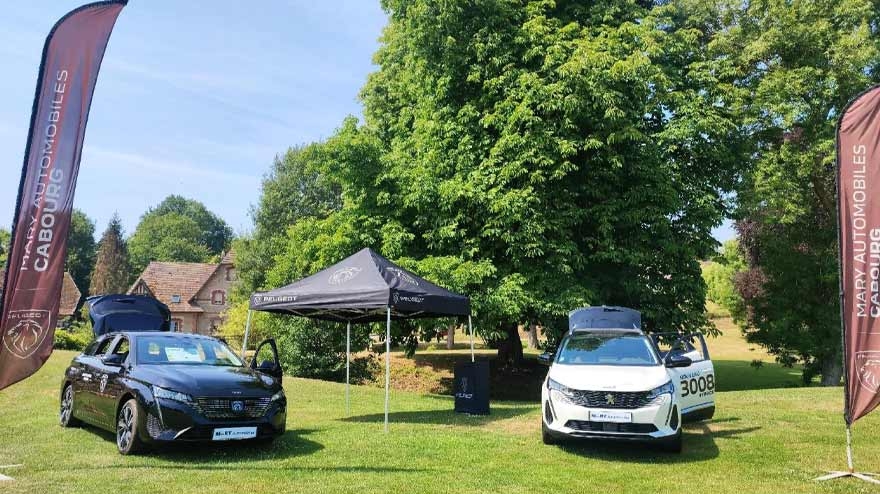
{"x":362,"y":288}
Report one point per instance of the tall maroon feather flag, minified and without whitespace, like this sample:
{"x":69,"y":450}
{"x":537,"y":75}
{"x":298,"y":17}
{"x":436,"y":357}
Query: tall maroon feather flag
{"x":858,"y":155}
{"x":858,"y":209}
{"x":66,"y":81}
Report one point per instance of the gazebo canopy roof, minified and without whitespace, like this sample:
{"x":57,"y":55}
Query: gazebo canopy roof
{"x":361,"y":288}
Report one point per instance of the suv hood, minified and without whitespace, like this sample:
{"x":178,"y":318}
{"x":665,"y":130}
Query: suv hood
{"x":208,"y":381}
{"x":609,"y":377}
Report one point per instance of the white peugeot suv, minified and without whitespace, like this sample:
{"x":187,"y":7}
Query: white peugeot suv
{"x":609,"y":380}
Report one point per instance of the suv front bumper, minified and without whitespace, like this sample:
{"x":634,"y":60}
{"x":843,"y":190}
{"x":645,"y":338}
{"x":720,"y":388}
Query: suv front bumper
{"x":568,"y":420}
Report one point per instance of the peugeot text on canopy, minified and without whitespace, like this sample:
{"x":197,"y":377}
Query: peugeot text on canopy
{"x":609,"y":380}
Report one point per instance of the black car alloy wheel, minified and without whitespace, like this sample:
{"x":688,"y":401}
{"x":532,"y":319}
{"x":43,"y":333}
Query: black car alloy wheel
{"x":127,"y":440}
{"x":66,"y":414}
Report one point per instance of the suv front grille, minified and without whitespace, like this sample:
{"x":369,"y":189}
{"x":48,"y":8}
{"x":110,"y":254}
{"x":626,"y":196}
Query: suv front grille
{"x":609,"y":399}
{"x":221,"y":408}
{"x":625,"y":427}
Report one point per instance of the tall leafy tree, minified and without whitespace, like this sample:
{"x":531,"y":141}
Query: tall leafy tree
{"x":166,"y":237}
{"x":582,"y":150}
{"x":112,"y":272}
{"x":538,"y":156}
{"x":795,"y":66}
{"x":212,"y":231}
{"x":81,"y":249}
{"x":178,"y":229}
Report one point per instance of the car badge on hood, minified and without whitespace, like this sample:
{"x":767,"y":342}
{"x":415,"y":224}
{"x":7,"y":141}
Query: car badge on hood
{"x":609,"y":399}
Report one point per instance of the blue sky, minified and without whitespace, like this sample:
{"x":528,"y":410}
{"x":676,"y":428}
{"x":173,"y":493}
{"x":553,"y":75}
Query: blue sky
{"x":194,"y":101}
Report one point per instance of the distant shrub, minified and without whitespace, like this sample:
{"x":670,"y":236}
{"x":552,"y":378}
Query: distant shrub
{"x":75,"y":337}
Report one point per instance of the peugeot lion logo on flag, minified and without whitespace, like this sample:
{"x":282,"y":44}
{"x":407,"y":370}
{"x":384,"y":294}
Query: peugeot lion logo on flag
{"x":868,"y":365}
{"x":28,"y":329}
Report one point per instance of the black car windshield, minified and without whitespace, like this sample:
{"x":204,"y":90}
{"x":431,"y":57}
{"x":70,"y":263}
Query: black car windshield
{"x":607,"y":349}
{"x":183,"y":350}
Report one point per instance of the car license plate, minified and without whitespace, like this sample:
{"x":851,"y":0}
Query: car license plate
{"x":233,"y":433}
{"x":610,"y":416}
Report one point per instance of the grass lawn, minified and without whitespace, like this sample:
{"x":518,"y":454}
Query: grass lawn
{"x":761,"y":440}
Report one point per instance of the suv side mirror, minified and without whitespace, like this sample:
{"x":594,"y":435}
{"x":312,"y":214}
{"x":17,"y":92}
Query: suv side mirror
{"x":547,"y":357}
{"x":115,"y":359}
{"x":674,"y":360}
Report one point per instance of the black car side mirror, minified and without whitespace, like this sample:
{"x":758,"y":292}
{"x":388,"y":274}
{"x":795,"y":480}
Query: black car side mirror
{"x":547,"y":357}
{"x":678,"y":361}
{"x":115,"y":359}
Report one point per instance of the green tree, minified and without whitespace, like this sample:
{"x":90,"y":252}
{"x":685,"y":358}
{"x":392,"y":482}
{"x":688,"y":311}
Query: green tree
{"x":166,"y":237}
{"x":5,"y":238}
{"x":112,"y":272}
{"x":581,"y":151}
{"x":212,"y":232}
{"x":80,"y":249}
{"x":537,"y":156}
{"x":795,"y":65}
{"x":720,"y":274}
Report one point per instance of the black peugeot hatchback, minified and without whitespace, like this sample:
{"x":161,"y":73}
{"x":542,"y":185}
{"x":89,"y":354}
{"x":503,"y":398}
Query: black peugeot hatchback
{"x":151,"y":387}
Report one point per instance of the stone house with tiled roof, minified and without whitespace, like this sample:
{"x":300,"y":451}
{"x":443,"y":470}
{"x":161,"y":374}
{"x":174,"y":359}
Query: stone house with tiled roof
{"x":196,"y":293}
{"x":70,"y":295}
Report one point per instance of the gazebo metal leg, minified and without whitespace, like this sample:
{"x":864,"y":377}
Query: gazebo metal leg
{"x":471,"y":331}
{"x":247,"y":329}
{"x":387,"y":365}
{"x":347,"y":364}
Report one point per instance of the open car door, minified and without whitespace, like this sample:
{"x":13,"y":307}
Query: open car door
{"x":265,"y":359}
{"x":696,"y":382}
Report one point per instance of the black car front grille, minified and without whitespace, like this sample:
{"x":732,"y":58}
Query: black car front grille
{"x":624,"y":427}
{"x":222,"y":408}
{"x":609,"y":399}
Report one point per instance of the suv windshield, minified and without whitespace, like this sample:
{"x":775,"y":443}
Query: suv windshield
{"x":183,"y":350}
{"x":607,"y":349}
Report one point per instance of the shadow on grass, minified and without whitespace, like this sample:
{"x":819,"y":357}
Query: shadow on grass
{"x":292,"y":443}
{"x":699,"y":445}
{"x":443,"y":417}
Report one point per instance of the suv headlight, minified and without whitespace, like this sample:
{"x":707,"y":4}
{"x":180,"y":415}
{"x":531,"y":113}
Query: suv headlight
{"x":656,"y":394}
{"x":559,"y":392}
{"x":278,"y":396}
{"x":171,"y":395}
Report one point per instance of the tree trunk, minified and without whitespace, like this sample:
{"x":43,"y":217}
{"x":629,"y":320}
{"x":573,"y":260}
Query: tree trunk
{"x":533,"y":336}
{"x":510,"y":350}
{"x":450,"y":337}
{"x":832,"y":371}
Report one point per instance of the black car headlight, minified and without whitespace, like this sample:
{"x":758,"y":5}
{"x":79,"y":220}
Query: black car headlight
{"x":167,"y":394}
{"x":560,"y":392}
{"x":278,"y":396}
{"x":656,"y":395}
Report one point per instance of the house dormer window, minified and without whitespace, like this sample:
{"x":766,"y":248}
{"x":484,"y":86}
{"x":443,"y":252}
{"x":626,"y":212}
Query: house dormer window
{"x":218,"y":297}
{"x":175,"y":299}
